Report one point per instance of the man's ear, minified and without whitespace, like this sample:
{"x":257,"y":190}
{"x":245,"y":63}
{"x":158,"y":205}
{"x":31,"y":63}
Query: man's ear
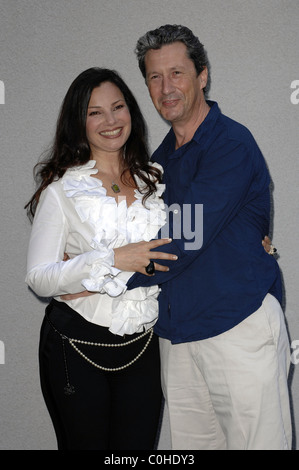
{"x":203,"y":78}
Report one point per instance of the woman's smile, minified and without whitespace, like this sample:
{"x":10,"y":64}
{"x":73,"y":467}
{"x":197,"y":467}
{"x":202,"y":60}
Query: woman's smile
{"x":113,"y":133}
{"x":108,"y":122}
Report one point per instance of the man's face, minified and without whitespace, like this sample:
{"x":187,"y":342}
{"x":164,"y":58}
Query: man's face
{"x":174,"y":87}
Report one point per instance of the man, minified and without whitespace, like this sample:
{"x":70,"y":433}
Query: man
{"x":224,"y":345}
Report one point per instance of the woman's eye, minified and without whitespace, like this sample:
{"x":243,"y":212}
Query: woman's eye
{"x":94,"y":113}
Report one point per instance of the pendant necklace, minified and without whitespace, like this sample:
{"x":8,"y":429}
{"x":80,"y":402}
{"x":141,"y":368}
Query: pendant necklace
{"x":115,"y":188}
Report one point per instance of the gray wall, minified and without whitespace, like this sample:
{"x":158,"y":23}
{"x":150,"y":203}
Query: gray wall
{"x":253,"y":50}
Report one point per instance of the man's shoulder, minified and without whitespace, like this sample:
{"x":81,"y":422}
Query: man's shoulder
{"x":235,"y":130}
{"x":236,"y":136}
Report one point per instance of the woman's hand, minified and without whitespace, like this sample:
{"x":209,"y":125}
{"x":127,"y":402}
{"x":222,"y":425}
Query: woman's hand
{"x":133,"y":257}
{"x":136,"y":257}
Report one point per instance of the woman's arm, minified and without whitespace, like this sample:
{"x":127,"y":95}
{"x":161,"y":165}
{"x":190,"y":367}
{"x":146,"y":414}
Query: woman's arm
{"x":50,"y":273}
{"x":137,"y":254}
{"x":133,"y":257}
{"x":47,"y":274}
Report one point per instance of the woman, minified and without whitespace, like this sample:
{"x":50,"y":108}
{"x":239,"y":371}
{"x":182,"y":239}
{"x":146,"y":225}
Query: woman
{"x":99,"y":358}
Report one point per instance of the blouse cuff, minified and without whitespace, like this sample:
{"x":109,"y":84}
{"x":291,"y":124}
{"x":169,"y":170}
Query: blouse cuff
{"x":103,"y":275}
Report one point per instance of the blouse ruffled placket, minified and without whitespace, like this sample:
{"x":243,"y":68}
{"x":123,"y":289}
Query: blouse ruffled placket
{"x":114,"y":225}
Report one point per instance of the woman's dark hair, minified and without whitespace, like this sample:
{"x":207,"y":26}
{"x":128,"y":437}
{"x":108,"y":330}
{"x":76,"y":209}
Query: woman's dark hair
{"x":71,"y":148}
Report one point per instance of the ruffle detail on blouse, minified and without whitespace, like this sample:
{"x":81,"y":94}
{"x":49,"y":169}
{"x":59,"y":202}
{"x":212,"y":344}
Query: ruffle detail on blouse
{"x":135,"y":313}
{"x":103,"y":275}
{"x":114,"y":225}
{"x":145,"y":221}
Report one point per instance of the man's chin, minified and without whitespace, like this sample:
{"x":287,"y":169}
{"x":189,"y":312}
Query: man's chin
{"x":170,"y":115}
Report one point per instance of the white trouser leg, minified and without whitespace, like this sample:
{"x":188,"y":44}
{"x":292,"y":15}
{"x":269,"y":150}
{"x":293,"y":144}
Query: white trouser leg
{"x":193,"y":423}
{"x":231,"y":390}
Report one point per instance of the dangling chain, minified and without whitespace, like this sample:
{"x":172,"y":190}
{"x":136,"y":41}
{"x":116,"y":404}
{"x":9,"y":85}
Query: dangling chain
{"x":69,"y":389}
{"x":72,"y":341}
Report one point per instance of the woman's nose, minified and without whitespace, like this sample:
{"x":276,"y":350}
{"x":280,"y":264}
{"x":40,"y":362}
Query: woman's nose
{"x":110,"y":118}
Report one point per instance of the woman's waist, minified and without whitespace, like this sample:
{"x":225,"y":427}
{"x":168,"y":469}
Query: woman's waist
{"x":102,"y":310}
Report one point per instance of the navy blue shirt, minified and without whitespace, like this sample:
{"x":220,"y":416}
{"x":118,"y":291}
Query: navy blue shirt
{"x":221,"y":277}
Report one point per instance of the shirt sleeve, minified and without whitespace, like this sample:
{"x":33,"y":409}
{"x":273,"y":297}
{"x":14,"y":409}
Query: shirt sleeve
{"x":47,"y":274}
{"x":222,"y":186}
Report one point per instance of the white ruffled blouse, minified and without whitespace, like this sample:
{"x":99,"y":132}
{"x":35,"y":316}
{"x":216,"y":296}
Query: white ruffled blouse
{"x":75,"y":215}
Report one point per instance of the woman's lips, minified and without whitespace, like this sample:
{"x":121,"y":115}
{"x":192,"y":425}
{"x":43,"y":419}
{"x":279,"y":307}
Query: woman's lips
{"x":112,"y":133}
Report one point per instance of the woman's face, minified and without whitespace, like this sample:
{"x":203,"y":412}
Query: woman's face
{"x":108,"y":122}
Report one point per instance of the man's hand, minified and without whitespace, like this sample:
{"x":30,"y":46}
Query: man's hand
{"x":84,"y":293}
{"x":267,"y":244}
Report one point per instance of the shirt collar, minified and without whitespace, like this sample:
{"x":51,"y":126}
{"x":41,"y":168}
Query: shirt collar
{"x":208,"y":123}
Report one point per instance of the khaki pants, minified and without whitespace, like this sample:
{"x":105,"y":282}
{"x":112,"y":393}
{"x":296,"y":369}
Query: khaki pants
{"x":230,"y":391}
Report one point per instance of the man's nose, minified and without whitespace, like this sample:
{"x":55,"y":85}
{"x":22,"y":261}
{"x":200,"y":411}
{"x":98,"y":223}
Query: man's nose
{"x":167,"y":86}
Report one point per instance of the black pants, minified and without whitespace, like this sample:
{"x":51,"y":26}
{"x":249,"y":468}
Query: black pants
{"x":108,"y":410}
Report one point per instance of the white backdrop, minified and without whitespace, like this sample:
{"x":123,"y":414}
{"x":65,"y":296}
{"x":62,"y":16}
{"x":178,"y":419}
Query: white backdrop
{"x":253,"y":50}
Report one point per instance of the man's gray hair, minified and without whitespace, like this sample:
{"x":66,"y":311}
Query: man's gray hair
{"x":168,"y":34}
